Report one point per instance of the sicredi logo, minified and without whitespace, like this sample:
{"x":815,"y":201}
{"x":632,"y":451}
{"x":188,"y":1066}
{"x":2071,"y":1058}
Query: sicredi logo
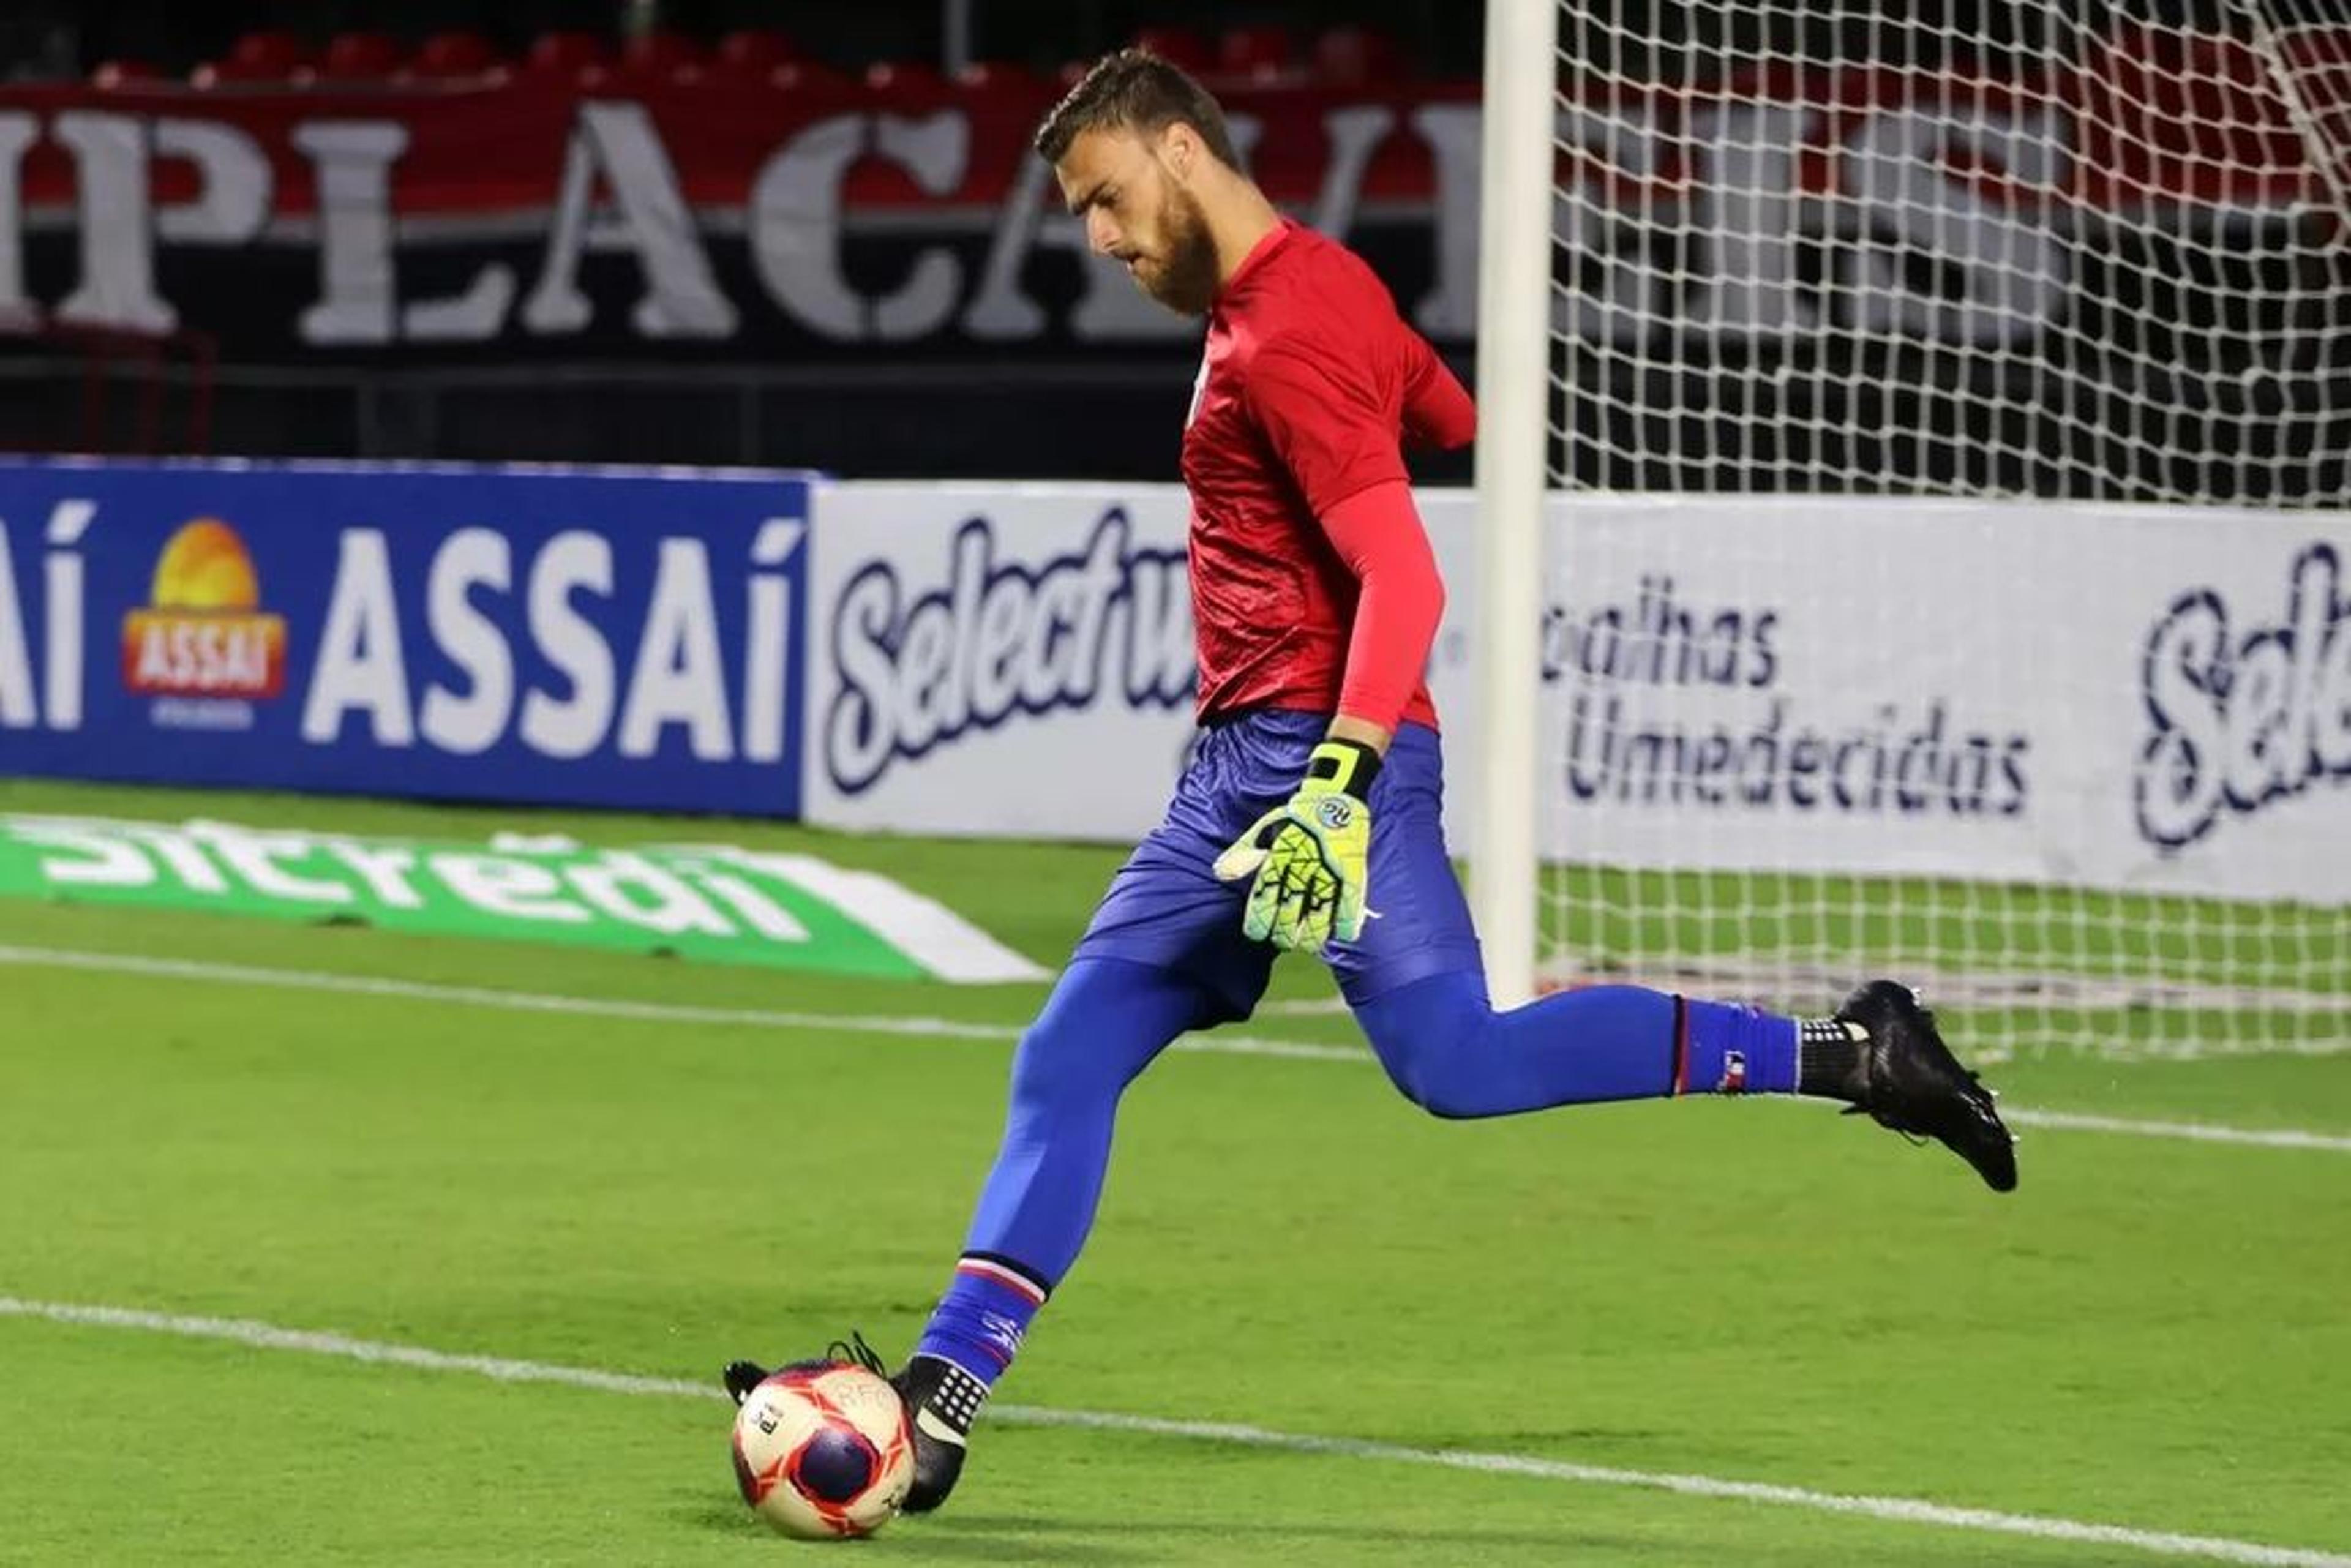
{"x":204,"y":633}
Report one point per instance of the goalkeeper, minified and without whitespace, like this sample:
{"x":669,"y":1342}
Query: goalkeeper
{"x":1308,"y":818}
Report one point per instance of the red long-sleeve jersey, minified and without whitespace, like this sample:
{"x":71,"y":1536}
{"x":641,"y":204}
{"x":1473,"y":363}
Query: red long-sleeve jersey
{"x":1313,"y":587}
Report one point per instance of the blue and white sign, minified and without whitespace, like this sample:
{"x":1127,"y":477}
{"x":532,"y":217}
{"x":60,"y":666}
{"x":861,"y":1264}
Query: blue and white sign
{"x":2140,"y":698}
{"x":620,"y":638}
{"x":1001,"y":659}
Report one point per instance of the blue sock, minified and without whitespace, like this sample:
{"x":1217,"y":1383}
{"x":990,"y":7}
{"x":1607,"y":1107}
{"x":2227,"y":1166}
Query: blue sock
{"x":979,"y":1324}
{"x":1727,"y":1049}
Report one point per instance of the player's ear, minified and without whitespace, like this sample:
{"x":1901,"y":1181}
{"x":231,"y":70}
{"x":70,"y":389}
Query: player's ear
{"x":1180,"y":150}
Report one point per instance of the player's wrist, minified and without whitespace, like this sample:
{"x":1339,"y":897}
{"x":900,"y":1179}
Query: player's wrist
{"x":1345,"y":766}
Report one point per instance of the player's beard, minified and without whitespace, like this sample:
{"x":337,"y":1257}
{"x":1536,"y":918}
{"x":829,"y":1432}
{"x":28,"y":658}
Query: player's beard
{"x":1183,"y":278}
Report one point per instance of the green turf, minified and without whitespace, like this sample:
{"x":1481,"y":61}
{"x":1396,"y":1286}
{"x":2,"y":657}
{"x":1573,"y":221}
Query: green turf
{"x":2151,"y":1333}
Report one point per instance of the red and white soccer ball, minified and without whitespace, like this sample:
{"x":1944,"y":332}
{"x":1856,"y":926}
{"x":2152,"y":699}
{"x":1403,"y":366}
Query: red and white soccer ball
{"x":824,"y":1451}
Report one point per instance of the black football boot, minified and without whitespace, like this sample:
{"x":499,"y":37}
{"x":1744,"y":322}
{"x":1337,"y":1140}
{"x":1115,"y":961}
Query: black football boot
{"x":1904,"y":1076}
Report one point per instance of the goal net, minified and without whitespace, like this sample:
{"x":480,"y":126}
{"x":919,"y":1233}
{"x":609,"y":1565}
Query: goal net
{"x":1946,"y":571}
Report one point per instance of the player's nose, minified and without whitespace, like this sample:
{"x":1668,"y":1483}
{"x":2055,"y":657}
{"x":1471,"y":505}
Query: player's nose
{"x":1102,"y":234}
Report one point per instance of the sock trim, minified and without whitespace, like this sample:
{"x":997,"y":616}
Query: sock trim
{"x":1005,"y":1272}
{"x":1681,"y":1044}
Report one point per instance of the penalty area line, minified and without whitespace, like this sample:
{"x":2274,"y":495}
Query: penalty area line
{"x":920,"y":1028}
{"x":1892,"y":1509}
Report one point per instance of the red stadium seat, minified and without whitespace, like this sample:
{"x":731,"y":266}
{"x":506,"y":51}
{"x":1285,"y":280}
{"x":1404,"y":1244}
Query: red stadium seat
{"x":755,"y":51}
{"x":661,"y":50}
{"x":454,"y":54}
{"x":1179,"y":46}
{"x":1358,"y":58}
{"x":999,"y":78}
{"x":649,"y":59}
{"x":995,"y":93}
{"x":565,"y":52}
{"x":905,"y":81}
{"x":271,"y":56}
{"x":1258,"y":54}
{"x":811,"y":78}
{"x":359,"y":57}
{"x":123,"y":73}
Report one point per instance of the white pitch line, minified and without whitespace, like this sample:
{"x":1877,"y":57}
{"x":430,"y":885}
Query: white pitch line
{"x":600,"y":1007}
{"x":922,"y":1028}
{"x":2190,"y":1131}
{"x":2193,"y":1131}
{"x":1894,"y":1509}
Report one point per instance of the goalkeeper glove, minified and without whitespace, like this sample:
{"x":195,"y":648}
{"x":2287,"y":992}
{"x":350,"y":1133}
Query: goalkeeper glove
{"x":1308,"y":858}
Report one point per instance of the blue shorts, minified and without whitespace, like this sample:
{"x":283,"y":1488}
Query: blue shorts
{"x":1166,"y":907}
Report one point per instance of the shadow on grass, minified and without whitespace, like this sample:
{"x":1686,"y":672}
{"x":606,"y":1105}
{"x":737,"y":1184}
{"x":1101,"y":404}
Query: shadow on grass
{"x":983,"y":1537}
{"x":979,"y":1536}
{"x":978,"y":1539}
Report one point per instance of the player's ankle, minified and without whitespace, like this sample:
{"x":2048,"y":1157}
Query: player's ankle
{"x":1828,"y":1056}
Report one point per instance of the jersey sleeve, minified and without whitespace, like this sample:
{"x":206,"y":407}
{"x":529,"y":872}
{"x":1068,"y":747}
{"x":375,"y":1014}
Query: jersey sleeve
{"x":1325,"y":419}
{"x":1437,"y":410}
{"x":1378,"y":533}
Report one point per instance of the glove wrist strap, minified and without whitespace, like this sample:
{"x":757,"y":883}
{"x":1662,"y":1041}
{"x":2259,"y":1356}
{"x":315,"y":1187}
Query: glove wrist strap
{"x":1347,"y":766}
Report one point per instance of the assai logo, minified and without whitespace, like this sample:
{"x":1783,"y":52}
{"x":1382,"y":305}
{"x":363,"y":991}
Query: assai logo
{"x":202,"y":643}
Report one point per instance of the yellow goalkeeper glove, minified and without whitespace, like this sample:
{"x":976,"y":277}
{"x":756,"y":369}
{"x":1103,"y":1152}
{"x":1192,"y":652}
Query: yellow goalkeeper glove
{"x":1310,"y":857}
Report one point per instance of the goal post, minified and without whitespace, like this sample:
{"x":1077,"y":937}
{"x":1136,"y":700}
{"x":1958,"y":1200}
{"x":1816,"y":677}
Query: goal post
{"x":1514,"y":338}
{"x":1914,"y":510}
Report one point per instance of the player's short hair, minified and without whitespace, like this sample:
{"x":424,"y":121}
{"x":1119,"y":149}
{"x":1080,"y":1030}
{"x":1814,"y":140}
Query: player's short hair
{"x":1134,"y":90}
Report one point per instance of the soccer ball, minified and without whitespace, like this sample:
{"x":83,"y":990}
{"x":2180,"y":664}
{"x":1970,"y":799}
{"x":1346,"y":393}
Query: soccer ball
{"x":823,"y":1450}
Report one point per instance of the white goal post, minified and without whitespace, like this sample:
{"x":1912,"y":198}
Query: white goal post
{"x":1914,"y":499}
{"x":1514,"y":326}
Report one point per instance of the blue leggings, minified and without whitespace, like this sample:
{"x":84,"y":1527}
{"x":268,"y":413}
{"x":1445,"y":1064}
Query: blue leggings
{"x":1440,"y":1039}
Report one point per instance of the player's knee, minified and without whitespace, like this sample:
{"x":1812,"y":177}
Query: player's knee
{"x":1433,"y":1065}
{"x":1443,"y":1095}
{"x":1434,"y":1038}
{"x":1442,"y":1103}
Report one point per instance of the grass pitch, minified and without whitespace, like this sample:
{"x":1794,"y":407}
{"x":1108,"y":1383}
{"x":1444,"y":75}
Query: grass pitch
{"x":2153,"y":1334}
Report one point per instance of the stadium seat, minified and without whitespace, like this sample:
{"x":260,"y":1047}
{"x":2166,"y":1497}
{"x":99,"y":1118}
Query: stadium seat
{"x":658,"y":59}
{"x":453,"y":54}
{"x":755,"y":51}
{"x":661,"y":50}
{"x":1179,"y":46}
{"x":359,"y":57}
{"x":997,"y":79}
{"x":900,"y":82}
{"x":811,"y":78}
{"x":1357,"y":58}
{"x":272,"y":53}
{"x":1256,"y":54}
{"x":565,"y":52}
{"x":123,"y":73}
{"x":268,"y":56}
